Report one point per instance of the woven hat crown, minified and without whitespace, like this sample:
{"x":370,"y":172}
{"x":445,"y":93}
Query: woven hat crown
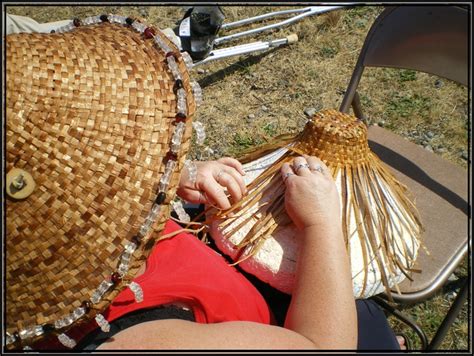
{"x":100,"y":117}
{"x":335,"y":138}
{"x":380,"y":223}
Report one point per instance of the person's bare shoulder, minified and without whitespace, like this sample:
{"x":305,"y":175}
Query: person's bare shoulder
{"x":180,"y":334}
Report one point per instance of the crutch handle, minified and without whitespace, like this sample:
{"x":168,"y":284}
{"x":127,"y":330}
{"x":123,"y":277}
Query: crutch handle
{"x":292,"y":38}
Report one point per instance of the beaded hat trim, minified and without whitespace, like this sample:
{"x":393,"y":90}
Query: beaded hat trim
{"x":188,"y":95}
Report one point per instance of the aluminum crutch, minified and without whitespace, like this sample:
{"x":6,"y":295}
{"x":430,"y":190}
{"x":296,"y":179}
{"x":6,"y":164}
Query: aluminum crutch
{"x":304,"y":12}
{"x":246,"y":48}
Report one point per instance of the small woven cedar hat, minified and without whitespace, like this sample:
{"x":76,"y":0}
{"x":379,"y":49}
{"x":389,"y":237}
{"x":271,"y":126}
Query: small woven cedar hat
{"x":98,"y":126}
{"x":380,"y":224}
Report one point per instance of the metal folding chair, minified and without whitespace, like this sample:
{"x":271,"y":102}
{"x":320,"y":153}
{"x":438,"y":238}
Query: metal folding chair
{"x":432,"y":39}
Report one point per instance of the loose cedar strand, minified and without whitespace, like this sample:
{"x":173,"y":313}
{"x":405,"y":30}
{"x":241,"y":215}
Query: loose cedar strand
{"x":369,"y":192}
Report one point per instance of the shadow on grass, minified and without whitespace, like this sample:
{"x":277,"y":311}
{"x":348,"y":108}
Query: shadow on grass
{"x":238,"y":66}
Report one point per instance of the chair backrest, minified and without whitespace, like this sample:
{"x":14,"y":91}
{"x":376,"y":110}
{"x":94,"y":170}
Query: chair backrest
{"x":432,"y":39}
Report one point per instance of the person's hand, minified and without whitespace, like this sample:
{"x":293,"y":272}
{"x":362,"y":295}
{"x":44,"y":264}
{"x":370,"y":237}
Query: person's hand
{"x":311,"y":196}
{"x":213,"y":179}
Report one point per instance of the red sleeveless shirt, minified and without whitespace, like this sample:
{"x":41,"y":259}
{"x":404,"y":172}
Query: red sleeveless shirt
{"x":183,"y":269}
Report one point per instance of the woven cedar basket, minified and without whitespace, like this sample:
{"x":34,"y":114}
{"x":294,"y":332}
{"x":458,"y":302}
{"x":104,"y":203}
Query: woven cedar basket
{"x":380,"y":223}
{"x":90,"y":115}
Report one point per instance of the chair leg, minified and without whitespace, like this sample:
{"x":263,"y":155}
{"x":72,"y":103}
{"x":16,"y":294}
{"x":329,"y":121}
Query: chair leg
{"x":404,"y":318}
{"x":450,"y":318}
{"x":357,"y":107}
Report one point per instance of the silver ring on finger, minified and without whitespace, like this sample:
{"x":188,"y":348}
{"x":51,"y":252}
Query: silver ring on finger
{"x":287,"y":175}
{"x":318,"y":168}
{"x":301,"y":165}
{"x":219,"y":176}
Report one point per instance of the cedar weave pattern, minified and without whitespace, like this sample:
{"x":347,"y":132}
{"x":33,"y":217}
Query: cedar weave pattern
{"x":335,"y":138}
{"x":90,"y":115}
{"x":376,"y":207}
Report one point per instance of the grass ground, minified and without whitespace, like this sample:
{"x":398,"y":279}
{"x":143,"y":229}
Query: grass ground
{"x":252,"y":99}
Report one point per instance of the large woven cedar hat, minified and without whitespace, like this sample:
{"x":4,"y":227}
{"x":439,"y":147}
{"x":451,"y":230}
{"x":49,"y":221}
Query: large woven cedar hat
{"x":98,"y":124}
{"x":380,"y":223}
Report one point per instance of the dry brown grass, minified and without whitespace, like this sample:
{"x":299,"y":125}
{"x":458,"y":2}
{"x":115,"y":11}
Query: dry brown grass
{"x":250,"y":100}
{"x":275,"y":87}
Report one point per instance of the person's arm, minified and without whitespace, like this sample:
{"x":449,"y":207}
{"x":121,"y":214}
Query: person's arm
{"x":322,"y":312}
{"x":322,"y":307}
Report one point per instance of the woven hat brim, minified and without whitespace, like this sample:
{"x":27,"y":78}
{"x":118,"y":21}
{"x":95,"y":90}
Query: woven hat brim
{"x":380,"y":223}
{"x":91,"y":115}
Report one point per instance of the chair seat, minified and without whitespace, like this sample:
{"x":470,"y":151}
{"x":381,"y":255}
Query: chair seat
{"x":440,"y":189}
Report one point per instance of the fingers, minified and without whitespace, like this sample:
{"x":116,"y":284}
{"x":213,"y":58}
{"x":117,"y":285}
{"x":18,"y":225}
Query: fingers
{"x":215,"y":194}
{"x":401,"y":342}
{"x":317,"y":166}
{"x":196,"y":197}
{"x":192,"y":196}
{"x":301,"y":167}
{"x":232,"y":162}
{"x":230,"y":182}
{"x":304,"y":166}
{"x":214,"y":181}
{"x":228,"y":176}
{"x":286,"y":172}
{"x":233,"y":168}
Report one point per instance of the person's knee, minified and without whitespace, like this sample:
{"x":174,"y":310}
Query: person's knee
{"x":375,"y":332}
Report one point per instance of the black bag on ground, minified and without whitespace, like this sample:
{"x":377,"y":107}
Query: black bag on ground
{"x":198,"y":29}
